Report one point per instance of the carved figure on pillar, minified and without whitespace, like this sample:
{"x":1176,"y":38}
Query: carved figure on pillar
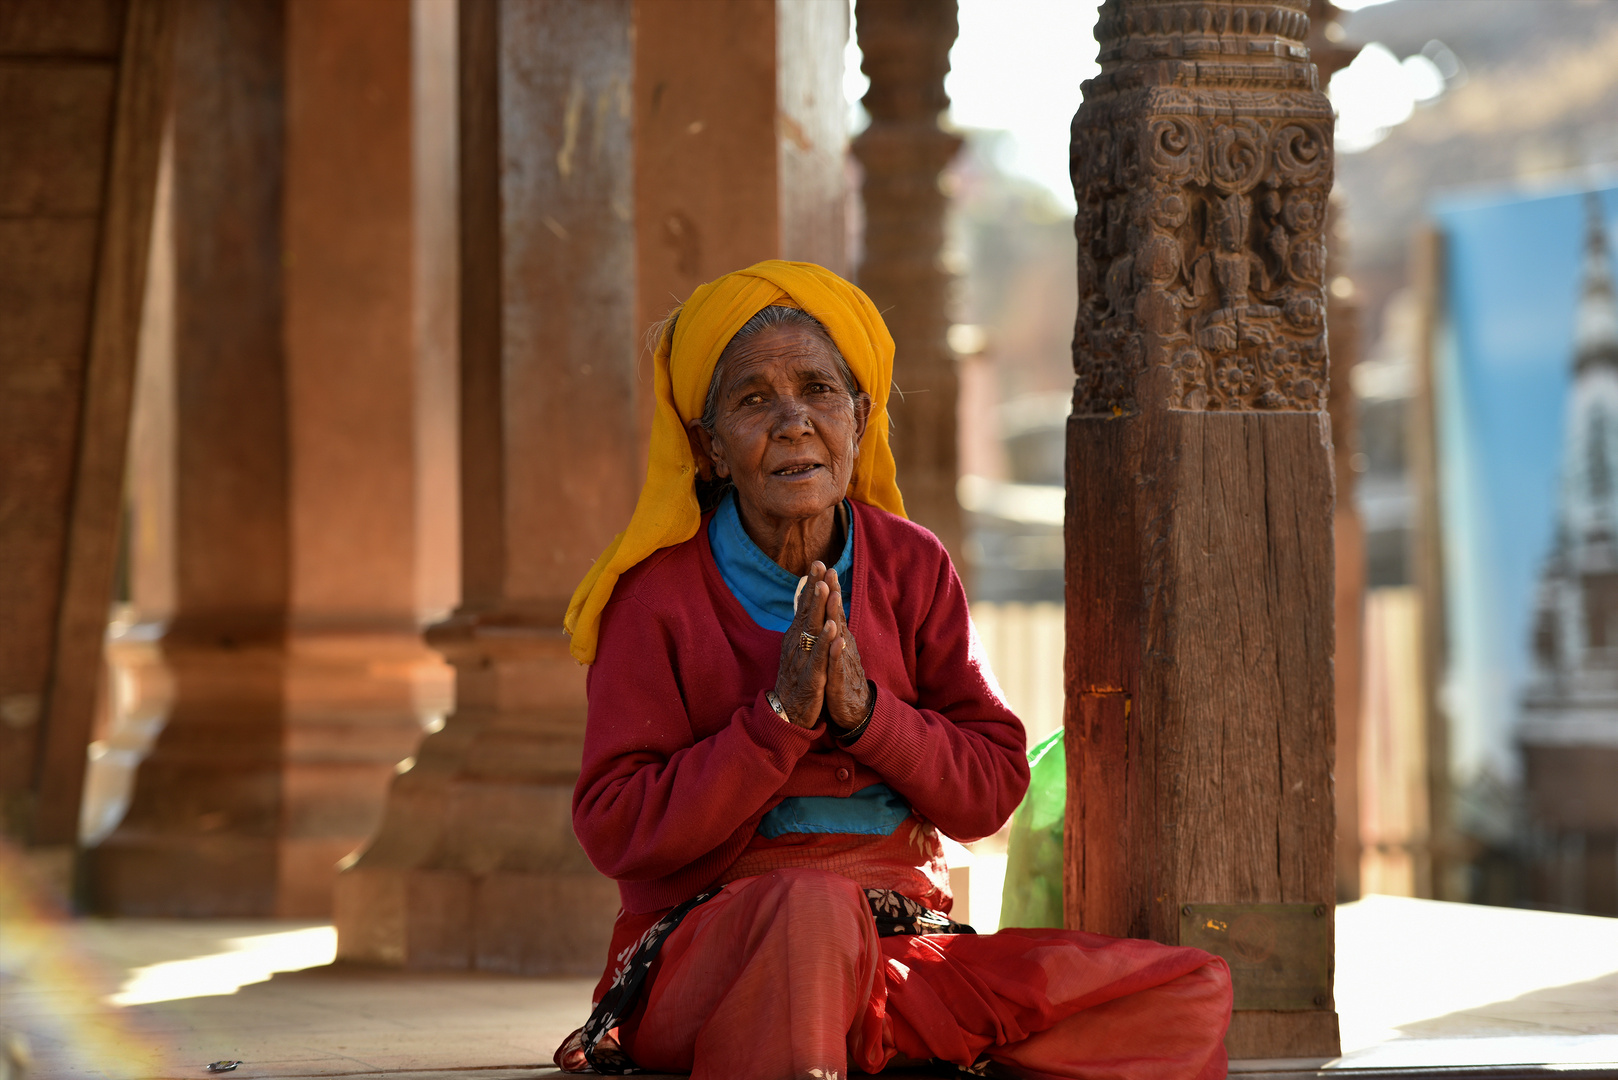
{"x":1203,"y":114}
{"x":1199,"y":523}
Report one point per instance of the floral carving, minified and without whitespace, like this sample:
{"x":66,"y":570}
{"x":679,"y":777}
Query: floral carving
{"x":1202,"y":193}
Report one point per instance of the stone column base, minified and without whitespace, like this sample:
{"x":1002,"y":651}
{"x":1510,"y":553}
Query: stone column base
{"x":271,"y":767}
{"x":520,"y":923}
{"x":476,"y":865}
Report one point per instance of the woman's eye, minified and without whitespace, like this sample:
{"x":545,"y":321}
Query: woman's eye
{"x":753,"y":399}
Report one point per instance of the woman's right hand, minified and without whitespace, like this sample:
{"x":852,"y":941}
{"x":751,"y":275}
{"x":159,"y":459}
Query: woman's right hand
{"x":801,"y":681}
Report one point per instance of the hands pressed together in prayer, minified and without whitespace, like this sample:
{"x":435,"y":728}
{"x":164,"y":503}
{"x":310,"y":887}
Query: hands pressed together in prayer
{"x":828,"y":679}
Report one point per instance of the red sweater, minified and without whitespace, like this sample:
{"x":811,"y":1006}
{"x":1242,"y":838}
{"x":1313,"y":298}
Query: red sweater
{"x":683,"y":756}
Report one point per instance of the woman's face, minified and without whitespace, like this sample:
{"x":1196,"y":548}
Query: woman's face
{"x":787,"y":433}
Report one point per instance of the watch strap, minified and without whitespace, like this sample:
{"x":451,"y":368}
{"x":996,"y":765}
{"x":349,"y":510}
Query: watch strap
{"x":773,"y":699}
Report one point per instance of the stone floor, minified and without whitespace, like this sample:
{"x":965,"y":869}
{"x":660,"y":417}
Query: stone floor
{"x":1419,"y":985}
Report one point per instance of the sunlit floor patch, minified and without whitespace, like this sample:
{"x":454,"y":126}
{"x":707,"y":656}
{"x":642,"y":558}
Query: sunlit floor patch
{"x":1425,"y":979}
{"x":245,"y":960}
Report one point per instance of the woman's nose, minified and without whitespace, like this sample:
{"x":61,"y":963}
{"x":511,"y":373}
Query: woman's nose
{"x":792,"y":418}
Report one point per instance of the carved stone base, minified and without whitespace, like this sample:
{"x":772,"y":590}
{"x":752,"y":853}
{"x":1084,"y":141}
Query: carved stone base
{"x":476,"y":865}
{"x":523,"y":924}
{"x":270,"y":769}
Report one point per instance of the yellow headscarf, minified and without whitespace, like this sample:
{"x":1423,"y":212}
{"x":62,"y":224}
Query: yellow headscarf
{"x":667,"y":513}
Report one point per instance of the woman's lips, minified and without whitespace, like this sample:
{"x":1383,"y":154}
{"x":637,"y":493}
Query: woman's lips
{"x":792,"y":472}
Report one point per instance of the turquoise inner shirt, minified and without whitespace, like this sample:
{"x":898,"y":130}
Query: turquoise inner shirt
{"x":763,"y":586}
{"x":767,"y":592}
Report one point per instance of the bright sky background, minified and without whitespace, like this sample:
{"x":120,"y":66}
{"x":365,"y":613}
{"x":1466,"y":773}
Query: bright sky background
{"x":1018,"y":66}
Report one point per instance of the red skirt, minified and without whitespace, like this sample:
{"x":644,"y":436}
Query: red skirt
{"x":783,"y":976}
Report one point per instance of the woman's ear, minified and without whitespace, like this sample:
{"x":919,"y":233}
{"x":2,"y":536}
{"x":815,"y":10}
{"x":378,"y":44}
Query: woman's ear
{"x":862,"y":415}
{"x":702,"y":448}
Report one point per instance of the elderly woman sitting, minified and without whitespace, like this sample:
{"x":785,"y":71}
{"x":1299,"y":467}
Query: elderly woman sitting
{"x":787,"y":705}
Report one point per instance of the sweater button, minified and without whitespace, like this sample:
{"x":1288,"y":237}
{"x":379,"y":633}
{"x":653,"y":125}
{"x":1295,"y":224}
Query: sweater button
{"x":842,"y":774}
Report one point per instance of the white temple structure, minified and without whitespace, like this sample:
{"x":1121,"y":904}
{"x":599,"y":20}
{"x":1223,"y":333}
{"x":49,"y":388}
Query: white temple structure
{"x":1569,"y":726}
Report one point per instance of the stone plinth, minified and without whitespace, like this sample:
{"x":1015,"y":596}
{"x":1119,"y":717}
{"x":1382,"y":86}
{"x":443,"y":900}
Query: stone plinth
{"x":476,"y":865}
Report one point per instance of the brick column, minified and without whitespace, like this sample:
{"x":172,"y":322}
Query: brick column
{"x":739,"y":146}
{"x":1199,"y":521}
{"x":299,"y":678}
{"x":476,"y":864}
{"x":906,"y":47}
{"x":566,"y":259}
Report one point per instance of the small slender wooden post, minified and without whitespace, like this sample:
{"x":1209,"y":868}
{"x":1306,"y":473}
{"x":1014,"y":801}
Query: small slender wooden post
{"x":1199,"y":522}
{"x":906,"y":46}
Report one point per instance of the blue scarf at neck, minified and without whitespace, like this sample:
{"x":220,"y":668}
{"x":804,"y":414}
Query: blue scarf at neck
{"x":766,"y":589}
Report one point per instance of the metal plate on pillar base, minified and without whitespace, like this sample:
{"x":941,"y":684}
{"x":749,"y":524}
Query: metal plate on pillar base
{"x":1279,"y":954}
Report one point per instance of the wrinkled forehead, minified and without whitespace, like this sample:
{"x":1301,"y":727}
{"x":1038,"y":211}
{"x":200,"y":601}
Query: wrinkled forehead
{"x":777,"y":352}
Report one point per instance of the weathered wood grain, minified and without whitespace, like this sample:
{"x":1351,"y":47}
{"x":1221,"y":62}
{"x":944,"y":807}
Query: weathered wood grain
{"x":1103,"y":842}
{"x":1223,"y":578}
{"x":1200,"y":690}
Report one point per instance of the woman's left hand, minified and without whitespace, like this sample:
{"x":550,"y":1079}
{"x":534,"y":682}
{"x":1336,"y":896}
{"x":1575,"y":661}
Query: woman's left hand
{"x":848,"y":694}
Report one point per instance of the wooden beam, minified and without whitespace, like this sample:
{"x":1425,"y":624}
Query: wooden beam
{"x":141,"y":112}
{"x":1200,"y":487}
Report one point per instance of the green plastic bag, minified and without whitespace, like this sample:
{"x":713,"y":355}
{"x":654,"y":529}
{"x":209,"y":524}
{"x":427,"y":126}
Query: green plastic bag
{"x":1033,"y":891}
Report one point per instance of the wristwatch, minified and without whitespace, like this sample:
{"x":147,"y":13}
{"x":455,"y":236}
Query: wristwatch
{"x":774,"y":702}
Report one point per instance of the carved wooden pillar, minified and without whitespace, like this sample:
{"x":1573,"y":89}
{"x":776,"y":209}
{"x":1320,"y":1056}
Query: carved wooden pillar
{"x":906,"y":46}
{"x":1199,"y":522}
{"x":476,"y":865}
{"x":299,"y":675}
